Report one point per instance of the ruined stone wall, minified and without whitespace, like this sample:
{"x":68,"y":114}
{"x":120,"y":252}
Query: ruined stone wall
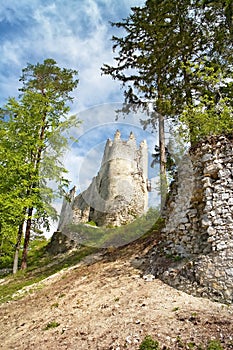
{"x":118,"y":194}
{"x":196,"y":250}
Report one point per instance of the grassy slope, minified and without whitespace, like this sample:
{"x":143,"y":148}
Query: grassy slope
{"x":42,"y":265}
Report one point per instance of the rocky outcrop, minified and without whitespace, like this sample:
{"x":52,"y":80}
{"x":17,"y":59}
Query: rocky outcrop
{"x":195,"y":253}
{"x":60,"y":244}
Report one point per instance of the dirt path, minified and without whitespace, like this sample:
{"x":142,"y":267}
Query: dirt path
{"x":109,"y":305}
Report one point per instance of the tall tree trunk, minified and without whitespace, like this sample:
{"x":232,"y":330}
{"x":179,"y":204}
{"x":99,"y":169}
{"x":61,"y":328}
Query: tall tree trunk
{"x":27,"y":239}
{"x":37,"y":161}
{"x":163,"y":176}
{"x":2,"y":237}
{"x":17,"y":248}
{"x":187,"y":90}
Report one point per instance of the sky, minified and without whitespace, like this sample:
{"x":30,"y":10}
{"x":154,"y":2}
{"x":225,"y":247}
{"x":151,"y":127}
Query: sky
{"x":76,"y":34}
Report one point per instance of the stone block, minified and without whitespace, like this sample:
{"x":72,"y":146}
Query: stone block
{"x":211,"y":230}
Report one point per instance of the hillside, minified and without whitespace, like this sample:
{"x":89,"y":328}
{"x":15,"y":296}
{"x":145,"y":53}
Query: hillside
{"x":104,"y":302}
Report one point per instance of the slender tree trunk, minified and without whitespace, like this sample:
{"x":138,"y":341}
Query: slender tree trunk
{"x":1,"y":236}
{"x":37,"y":161}
{"x":163,"y":176}
{"x":27,"y":239}
{"x":17,"y":248}
{"x":187,"y":90}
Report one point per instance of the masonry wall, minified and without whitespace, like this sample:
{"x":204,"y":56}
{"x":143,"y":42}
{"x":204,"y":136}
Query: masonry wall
{"x":196,"y":250}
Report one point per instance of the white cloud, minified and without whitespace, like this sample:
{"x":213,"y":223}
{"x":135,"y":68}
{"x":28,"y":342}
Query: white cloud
{"x":77,"y":35}
{"x":98,"y":125}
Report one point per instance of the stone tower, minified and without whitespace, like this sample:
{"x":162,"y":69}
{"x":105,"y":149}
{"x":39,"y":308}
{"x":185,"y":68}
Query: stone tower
{"x":118,"y":194}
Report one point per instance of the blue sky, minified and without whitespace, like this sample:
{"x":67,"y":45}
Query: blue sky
{"x":77,"y":34}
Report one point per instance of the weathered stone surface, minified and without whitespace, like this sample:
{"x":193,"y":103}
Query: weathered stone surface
{"x":118,"y":194}
{"x":204,"y":245}
{"x":60,"y":243}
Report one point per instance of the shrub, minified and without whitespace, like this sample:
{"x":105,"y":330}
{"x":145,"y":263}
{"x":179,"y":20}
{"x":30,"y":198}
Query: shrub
{"x":149,"y":344}
{"x":214,"y":345}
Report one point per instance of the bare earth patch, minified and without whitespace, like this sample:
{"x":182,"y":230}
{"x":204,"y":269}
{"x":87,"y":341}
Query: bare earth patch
{"x":106,"y":304}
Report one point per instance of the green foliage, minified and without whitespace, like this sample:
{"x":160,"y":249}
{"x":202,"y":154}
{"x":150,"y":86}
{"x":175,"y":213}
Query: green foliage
{"x":149,"y":344}
{"x":148,"y":65}
{"x":175,"y":309}
{"x":180,"y":342}
{"x":7,"y":245}
{"x":33,"y":137}
{"x":213,"y":112}
{"x":52,"y":324}
{"x":41,"y":265}
{"x":37,"y":249}
{"x":214,"y":345}
{"x":115,"y":236}
{"x":144,"y":54}
{"x":92,"y":223}
{"x":177,"y":55}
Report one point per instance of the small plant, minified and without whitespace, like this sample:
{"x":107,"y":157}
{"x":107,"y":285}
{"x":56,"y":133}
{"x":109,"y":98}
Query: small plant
{"x":79,"y":301}
{"x":110,"y":226}
{"x":61,"y":295}
{"x":54,"y":305}
{"x":52,"y":324}
{"x":177,"y":258}
{"x":180,"y":342}
{"x":175,"y":308}
{"x":149,"y":343}
{"x":214,"y":345}
{"x":92,"y":223}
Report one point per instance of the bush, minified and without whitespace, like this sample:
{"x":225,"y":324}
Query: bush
{"x":214,"y":345}
{"x":149,"y":344}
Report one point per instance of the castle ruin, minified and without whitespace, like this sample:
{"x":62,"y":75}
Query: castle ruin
{"x":195,"y":252}
{"x":118,"y":194}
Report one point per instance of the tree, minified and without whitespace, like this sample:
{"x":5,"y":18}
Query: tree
{"x":213,"y":112}
{"x":162,"y":53}
{"x":35,"y":126}
{"x":210,"y":111}
{"x":12,"y":202}
{"x":226,"y":9}
{"x":148,"y":64}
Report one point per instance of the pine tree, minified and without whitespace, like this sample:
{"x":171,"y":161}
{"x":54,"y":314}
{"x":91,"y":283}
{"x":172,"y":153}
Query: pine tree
{"x":148,"y":64}
{"x":161,"y":57}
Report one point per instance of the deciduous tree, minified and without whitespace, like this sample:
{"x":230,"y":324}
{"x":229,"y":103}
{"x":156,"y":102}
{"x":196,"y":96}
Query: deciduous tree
{"x":35,"y":126}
